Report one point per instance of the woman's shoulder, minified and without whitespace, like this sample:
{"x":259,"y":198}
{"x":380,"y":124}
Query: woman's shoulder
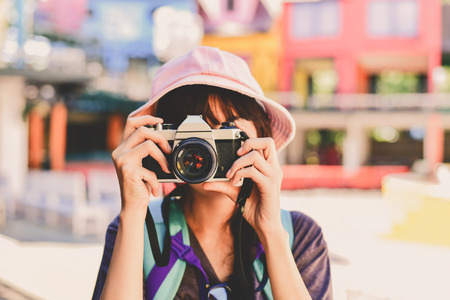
{"x":301,"y":219}
{"x":310,"y":252}
{"x":114,"y":225}
{"x":307,"y":232}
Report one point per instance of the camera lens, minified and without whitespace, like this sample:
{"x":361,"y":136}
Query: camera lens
{"x":195,"y":160}
{"x":192,"y":160}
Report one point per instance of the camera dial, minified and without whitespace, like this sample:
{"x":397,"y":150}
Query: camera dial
{"x":228,"y":125}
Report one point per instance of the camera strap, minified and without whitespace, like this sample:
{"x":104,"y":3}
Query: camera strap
{"x":243,"y":195}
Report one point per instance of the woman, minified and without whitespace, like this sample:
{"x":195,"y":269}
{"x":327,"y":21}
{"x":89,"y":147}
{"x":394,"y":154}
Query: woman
{"x":218,"y":86}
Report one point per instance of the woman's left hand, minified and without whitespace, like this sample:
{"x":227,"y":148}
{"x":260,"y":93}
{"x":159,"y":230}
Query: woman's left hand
{"x":259,"y":162}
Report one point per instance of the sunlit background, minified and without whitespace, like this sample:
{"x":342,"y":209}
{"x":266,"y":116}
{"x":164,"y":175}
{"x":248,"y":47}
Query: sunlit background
{"x":367,"y":82}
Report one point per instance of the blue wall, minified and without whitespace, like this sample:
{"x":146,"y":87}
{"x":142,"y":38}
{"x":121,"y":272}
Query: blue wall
{"x":125,"y":29}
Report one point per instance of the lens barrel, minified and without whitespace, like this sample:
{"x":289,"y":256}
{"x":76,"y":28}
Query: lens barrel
{"x":194,"y":160}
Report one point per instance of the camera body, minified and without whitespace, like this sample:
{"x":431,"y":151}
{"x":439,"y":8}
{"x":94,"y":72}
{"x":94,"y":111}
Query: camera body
{"x":199,"y":153}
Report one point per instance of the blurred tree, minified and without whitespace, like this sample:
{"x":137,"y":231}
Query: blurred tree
{"x":395,"y":82}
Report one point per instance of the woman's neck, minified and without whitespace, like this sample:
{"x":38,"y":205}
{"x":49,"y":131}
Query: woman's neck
{"x":207,"y":212}
{"x":208,"y":215}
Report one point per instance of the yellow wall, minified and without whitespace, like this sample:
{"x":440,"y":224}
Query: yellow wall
{"x":300,"y":84}
{"x":420,"y":209}
{"x":261,"y":51}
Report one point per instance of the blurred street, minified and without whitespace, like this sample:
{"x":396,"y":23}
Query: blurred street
{"x":366,"y":264}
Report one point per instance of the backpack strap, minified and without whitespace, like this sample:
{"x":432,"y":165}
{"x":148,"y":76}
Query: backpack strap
{"x":165,"y":280}
{"x":286,"y":219}
{"x":258,"y":265}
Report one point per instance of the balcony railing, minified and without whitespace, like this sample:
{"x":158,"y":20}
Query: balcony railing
{"x":425,"y":102}
{"x":351,"y":102}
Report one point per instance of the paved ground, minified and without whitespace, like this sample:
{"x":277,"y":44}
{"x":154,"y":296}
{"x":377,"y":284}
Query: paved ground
{"x":365,"y":263}
{"x":42,"y":263}
{"x":7,"y":292}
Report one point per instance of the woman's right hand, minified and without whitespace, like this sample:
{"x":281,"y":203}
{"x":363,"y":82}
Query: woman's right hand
{"x":137,"y":183}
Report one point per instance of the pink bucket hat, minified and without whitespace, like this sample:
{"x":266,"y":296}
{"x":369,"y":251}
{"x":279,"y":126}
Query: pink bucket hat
{"x":211,"y":66}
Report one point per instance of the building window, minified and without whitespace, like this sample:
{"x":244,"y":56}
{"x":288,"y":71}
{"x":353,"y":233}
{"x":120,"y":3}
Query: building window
{"x":390,"y":146}
{"x":323,"y":147}
{"x":86,"y":137}
{"x":316,"y":19}
{"x":396,"y":82}
{"x":393,"y":18}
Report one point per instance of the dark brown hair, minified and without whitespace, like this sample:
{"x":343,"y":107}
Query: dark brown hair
{"x":195,"y":100}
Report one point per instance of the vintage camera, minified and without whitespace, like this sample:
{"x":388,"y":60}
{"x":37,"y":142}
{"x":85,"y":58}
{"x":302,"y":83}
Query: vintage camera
{"x":199,"y":153}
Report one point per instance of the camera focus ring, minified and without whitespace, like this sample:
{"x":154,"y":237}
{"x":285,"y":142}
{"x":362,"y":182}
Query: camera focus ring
{"x":194,"y":160}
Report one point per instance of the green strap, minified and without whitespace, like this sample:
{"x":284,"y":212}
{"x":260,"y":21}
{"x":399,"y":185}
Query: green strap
{"x":286,"y":219}
{"x":171,"y":283}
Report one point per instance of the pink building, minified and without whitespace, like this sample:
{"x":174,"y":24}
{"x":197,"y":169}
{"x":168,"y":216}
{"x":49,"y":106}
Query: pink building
{"x":359,"y":39}
{"x":62,"y":16}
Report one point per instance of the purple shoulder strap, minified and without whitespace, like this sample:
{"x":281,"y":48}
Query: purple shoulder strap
{"x":179,"y":251}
